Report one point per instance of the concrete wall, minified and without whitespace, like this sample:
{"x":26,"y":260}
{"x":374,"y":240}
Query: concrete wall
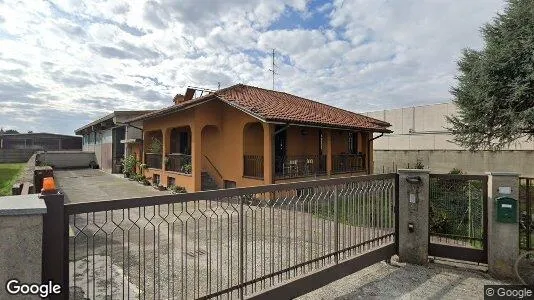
{"x":15,"y":155}
{"x":423,"y":128}
{"x":66,"y":159}
{"x":21,"y":232}
{"x":442,"y":161}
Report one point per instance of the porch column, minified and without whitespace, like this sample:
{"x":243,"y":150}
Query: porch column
{"x":143,"y":148}
{"x":328,"y":133}
{"x":268,"y":153}
{"x":166,"y":142}
{"x":196,"y":155}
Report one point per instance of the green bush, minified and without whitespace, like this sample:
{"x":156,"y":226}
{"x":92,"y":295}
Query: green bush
{"x":177,"y":189}
{"x":128,"y":165}
{"x":155,"y":146}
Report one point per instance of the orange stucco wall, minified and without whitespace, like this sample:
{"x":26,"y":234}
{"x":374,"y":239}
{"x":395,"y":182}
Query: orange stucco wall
{"x":302,"y":141}
{"x":217,"y":133}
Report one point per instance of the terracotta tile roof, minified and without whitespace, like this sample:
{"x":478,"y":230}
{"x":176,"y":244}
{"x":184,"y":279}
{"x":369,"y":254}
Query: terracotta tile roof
{"x":274,"y":106}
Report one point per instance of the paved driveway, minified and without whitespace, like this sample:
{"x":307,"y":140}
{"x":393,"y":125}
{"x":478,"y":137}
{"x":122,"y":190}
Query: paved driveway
{"x":405,"y":281}
{"x":87,"y":185}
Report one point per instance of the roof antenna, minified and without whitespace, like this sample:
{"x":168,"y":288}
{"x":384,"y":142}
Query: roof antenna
{"x":273,"y":70}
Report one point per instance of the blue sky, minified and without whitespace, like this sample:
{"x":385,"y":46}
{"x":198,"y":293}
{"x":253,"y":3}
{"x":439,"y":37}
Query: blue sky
{"x":78,"y":60}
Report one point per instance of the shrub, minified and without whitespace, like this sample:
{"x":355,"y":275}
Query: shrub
{"x":419,"y":164}
{"x":187,"y":168}
{"x":128,"y":165}
{"x":155,"y":146}
{"x":177,"y":189}
{"x":456,"y":171}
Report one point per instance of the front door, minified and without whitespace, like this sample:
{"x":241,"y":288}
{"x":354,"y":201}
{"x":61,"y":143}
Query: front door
{"x":280,"y":148}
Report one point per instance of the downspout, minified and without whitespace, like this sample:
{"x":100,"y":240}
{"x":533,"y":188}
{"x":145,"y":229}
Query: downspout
{"x":369,"y":151}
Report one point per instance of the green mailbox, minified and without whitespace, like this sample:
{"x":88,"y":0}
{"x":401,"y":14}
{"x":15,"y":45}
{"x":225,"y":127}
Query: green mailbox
{"x":506,"y":210}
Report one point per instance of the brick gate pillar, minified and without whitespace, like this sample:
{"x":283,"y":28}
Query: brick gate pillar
{"x":503,"y":238}
{"x":413,"y":216}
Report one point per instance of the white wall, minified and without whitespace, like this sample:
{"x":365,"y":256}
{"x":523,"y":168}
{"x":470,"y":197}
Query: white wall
{"x":423,"y":128}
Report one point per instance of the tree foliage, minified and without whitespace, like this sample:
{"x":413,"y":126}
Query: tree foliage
{"x":495,"y":90}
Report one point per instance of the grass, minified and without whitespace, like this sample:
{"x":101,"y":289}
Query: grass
{"x":8,"y":174}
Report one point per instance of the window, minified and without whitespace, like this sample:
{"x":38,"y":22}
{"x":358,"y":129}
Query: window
{"x":229,"y":184}
{"x":156,"y":179}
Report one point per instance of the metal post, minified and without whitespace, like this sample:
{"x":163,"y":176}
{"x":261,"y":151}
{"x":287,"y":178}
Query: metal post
{"x":55,"y":243}
{"x":241,"y":250}
{"x":396,"y":212}
{"x":529,"y":201}
{"x":336,"y":226}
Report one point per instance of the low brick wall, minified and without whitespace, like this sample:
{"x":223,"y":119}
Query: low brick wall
{"x":66,"y":159}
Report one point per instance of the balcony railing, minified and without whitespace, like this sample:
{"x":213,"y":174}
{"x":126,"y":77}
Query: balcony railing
{"x":178,"y":162}
{"x":300,"y":166}
{"x":348,"y":163}
{"x":253,"y":166}
{"x":153,"y":160}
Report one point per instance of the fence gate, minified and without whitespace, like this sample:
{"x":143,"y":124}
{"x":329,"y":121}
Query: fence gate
{"x":526,"y":213}
{"x":458,"y":217}
{"x":265,"y":242}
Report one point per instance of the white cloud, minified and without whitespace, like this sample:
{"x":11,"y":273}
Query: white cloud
{"x":80,"y":59}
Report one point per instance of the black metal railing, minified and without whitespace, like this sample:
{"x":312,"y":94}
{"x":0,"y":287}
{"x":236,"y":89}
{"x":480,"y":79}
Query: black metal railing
{"x":178,"y":162}
{"x":227,"y":243}
{"x":153,"y":160}
{"x":526,"y":213}
{"x":253,"y":166}
{"x":300,"y":166}
{"x":348,"y":163}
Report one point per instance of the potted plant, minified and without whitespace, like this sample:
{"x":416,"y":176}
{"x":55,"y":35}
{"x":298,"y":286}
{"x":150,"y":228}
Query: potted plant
{"x":187,"y":168}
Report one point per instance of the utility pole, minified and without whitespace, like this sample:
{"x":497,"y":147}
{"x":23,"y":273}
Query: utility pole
{"x":273,"y":69}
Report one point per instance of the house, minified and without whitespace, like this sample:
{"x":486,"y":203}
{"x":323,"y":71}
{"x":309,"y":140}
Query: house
{"x":247,"y":136}
{"x":107,"y":137}
{"x":40,"y":141}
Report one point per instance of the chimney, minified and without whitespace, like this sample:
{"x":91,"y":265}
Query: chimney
{"x":179,"y":98}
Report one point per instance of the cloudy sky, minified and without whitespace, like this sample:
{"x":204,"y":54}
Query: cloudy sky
{"x":77,"y":60}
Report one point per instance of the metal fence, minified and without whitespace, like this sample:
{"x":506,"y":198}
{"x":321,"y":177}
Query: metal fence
{"x":226,"y":243}
{"x":457,"y":215}
{"x":153,"y":160}
{"x":348,"y":163}
{"x":178,"y":162}
{"x":253,"y":166}
{"x":526,"y":213}
{"x":294,"y":166}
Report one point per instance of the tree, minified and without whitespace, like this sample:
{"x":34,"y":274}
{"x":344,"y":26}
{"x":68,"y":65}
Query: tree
{"x":8,"y":131}
{"x":495,"y":90}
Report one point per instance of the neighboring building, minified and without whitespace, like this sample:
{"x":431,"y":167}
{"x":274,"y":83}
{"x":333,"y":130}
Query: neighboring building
{"x":423,"y":128}
{"x":107,"y":137}
{"x":247,"y":136}
{"x":40,"y":141}
{"x":420,"y":134}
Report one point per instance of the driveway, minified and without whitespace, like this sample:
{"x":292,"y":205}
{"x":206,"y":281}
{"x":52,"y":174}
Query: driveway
{"x":87,"y":185}
{"x":405,"y":281}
